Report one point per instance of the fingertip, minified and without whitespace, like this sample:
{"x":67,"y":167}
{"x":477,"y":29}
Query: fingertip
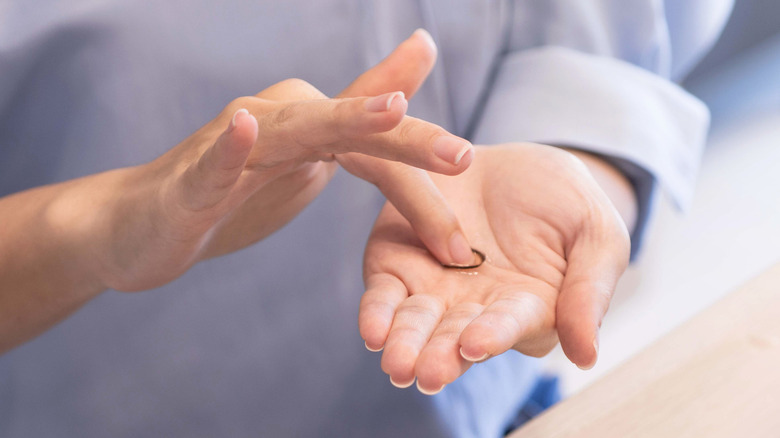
{"x":460,"y":249}
{"x":437,"y":366}
{"x":465,"y":158}
{"x":589,"y":359}
{"x":456,"y":152}
{"x":579,"y":338}
{"x":399,"y":365}
{"x":373,"y":349}
{"x":475,"y":345}
{"x":380,"y":113}
{"x":398,"y":105}
{"x":426,"y":391}
{"x":236,"y":116}
{"x":473,"y":357}
{"x":374,"y":332}
{"x":402,"y":385}
{"x":582,"y":305}
{"x":238,"y":139}
{"x":243,"y":125}
{"x":385,"y":102}
{"x":377,"y":310}
{"x":424,"y":36}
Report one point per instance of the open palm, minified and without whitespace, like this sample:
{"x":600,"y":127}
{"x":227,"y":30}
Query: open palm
{"x":555,"y":248}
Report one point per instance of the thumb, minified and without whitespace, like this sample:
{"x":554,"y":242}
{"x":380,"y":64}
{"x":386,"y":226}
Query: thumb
{"x":208,"y":180}
{"x":594,"y":266}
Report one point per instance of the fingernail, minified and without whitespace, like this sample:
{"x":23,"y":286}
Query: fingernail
{"x":235,"y":117}
{"x":595,"y":358}
{"x":383,"y":102}
{"x":427,"y":37}
{"x":399,"y":385}
{"x":451,"y":149}
{"x":372,"y":350}
{"x":472,"y":359}
{"x":460,"y":250}
{"x":426,"y":392}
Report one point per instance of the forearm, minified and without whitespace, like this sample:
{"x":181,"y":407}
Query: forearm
{"x":45,"y":273}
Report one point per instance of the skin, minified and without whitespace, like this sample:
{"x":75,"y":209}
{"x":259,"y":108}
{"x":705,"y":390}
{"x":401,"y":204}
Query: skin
{"x":556,"y":245}
{"x":223,"y":188}
{"x":555,"y":241}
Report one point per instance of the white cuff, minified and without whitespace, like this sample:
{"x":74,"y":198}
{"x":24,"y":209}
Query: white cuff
{"x":560,"y":96}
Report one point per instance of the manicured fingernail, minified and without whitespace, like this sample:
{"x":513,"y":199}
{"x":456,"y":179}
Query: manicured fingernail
{"x":586,"y":367}
{"x":372,"y":350}
{"x":460,"y":250}
{"x":235,"y":117}
{"x":400,"y":385}
{"x":473,"y":359}
{"x":383,"y":102}
{"x":451,"y":149}
{"x":426,"y":392}
{"x":427,"y":37}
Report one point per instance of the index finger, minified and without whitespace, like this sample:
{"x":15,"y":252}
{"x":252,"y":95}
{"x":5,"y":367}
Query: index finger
{"x":336,"y":126}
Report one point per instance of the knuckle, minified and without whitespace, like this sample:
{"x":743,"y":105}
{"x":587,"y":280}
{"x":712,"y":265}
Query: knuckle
{"x":423,"y":304}
{"x":290,"y":89}
{"x":284,"y":115}
{"x":434,"y":132}
{"x":411,"y":131}
{"x":296,"y":83}
{"x":296,"y":88}
{"x":341,"y":115}
{"x":236,"y":104}
{"x":406,"y":131}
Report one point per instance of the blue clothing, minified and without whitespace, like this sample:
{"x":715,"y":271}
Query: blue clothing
{"x":257,"y":343}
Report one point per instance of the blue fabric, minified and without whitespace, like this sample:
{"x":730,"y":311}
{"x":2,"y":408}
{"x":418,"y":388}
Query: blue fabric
{"x":544,"y":395}
{"x":255,"y":343}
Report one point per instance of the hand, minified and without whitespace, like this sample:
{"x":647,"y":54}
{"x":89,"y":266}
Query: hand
{"x":221,"y":189}
{"x":555,"y":247}
{"x":409,"y":189}
{"x":192,"y":202}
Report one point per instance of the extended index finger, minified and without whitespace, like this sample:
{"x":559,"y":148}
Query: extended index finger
{"x":316,"y":128}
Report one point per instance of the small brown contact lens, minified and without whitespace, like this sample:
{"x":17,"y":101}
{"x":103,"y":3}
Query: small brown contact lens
{"x":480,"y":255}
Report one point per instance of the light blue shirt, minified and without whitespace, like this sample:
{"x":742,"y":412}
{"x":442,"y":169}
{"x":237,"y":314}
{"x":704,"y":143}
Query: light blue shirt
{"x":258,"y":343}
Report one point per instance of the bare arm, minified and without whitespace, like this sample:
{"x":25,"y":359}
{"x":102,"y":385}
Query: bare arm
{"x":221,"y":189}
{"x":44,"y":271}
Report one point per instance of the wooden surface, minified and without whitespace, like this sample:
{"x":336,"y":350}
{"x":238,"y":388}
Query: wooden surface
{"x":718,"y":375}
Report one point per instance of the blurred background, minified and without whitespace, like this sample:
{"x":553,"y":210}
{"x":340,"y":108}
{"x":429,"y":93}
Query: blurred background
{"x":731,"y":233}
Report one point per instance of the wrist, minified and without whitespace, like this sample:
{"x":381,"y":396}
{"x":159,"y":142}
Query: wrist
{"x":88,"y":220}
{"x":74,"y":218}
{"x":615,"y":184}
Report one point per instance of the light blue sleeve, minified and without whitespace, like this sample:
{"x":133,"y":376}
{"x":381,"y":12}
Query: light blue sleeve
{"x":598,"y":75}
